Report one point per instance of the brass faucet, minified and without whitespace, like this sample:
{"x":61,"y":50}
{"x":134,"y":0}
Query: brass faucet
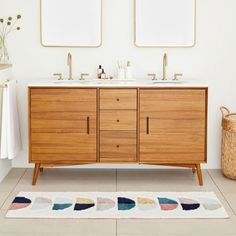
{"x":165,"y":64}
{"x":69,"y":63}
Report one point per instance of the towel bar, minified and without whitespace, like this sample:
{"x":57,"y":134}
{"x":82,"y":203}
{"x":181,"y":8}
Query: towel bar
{"x":4,"y":85}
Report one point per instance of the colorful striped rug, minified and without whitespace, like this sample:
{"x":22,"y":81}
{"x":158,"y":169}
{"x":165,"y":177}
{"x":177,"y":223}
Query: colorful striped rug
{"x":116,"y":205}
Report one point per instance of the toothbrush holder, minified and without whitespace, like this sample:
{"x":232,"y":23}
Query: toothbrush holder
{"x":121,"y":73}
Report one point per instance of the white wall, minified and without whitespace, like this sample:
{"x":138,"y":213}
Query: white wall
{"x":212,"y":59}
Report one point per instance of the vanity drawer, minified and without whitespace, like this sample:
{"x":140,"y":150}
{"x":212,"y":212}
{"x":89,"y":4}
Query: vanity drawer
{"x":118,"y":99}
{"x":117,"y":146}
{"x":118,"y":120}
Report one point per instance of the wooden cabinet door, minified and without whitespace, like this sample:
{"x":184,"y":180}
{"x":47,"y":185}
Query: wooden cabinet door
{"x":63,"y":125}
{"x":173,"y":126}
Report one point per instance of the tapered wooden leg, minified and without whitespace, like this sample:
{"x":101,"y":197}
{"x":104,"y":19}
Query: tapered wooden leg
{"x":36,"y":173}
{"x":199,"y":174}
{"x":41,"y":169}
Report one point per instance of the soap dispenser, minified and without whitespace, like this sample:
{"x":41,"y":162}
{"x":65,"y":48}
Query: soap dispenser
{"x":99,"y":72}
{"x":103,"y":74}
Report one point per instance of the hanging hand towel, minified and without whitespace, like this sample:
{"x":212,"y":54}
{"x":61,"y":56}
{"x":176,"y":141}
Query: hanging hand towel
{"x":10,"y":136}
{"x":1,"y":97}
{"x":4,"y":154}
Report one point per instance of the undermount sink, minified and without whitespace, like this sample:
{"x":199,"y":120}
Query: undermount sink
{"x":168,"y":82}
{"x":72,"y":82}
{"x":65,"y":81}
{"x":94,"y":81}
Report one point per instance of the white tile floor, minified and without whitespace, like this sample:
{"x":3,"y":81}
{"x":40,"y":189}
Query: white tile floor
{"x":117,"y":180}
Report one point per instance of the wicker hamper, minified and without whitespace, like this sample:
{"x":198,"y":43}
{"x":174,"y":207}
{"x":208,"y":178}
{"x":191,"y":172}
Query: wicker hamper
{"x":228,"y":148}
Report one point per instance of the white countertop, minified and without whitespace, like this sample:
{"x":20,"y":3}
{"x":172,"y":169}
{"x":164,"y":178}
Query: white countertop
{"x":117,"y":83}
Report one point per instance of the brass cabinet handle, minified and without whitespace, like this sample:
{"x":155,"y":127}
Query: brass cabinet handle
{"x":88,"y":125}
{"x":117,"y":146}
{"x":148,"y":119}
{"x":117,"y":99}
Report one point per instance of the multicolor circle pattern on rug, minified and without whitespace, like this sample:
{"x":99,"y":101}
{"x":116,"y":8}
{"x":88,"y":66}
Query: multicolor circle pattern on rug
{"x":110,"y":205}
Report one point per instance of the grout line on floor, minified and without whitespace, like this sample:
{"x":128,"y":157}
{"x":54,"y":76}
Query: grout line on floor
{"x":221,"y":192}
{"x":116,"y":228}
{"x":116,"y":179}
{"x":116,"y":191}
{"x":13,"y":189}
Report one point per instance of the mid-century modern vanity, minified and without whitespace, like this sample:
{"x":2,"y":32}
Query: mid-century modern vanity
{"x":145,"y":123}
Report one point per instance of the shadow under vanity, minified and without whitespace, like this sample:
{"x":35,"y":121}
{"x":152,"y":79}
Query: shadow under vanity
{"x":130,"y":123}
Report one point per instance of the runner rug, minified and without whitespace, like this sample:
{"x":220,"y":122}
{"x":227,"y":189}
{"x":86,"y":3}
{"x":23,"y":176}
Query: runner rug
{"x":116,"y":205}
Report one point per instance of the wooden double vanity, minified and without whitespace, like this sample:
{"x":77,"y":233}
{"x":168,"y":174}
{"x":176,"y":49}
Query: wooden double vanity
{"x":157,"y":125}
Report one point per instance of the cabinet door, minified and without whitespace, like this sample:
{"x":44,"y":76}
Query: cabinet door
{"x":63,"y":125}
{"x":173,"y":126}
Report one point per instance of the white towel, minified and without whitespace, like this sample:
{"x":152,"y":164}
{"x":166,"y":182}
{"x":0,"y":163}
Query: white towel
{"x":4,"y":154}
{"x":1,"y":96}
{"x":10,"y":136}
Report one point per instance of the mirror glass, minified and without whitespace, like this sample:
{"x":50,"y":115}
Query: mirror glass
{"x":71,"y":23}
{"x":165,"y":23}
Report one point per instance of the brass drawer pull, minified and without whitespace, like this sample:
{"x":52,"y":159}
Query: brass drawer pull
{"x":117,"y":121}
{"x":88,"y":125}
{"x":117,"y":146}
{"x":147,"y":124}
{"x":117,"y":99}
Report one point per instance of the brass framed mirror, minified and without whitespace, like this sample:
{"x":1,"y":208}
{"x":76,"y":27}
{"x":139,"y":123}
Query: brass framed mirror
{"x":71,"y":23}
{"x":165,"y":23}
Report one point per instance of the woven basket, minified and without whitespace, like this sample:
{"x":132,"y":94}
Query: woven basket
{"x":228,"y":148}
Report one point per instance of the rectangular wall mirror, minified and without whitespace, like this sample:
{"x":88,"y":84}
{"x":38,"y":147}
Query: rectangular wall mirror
{"x":165,"y":23}
{"x":71,"y":23}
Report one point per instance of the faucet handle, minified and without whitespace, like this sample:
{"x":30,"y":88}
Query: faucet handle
{"x":176,"y":76}
{"x":82,"y":75}
{"x":153,"y":76}
{"x":59,"y":76}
